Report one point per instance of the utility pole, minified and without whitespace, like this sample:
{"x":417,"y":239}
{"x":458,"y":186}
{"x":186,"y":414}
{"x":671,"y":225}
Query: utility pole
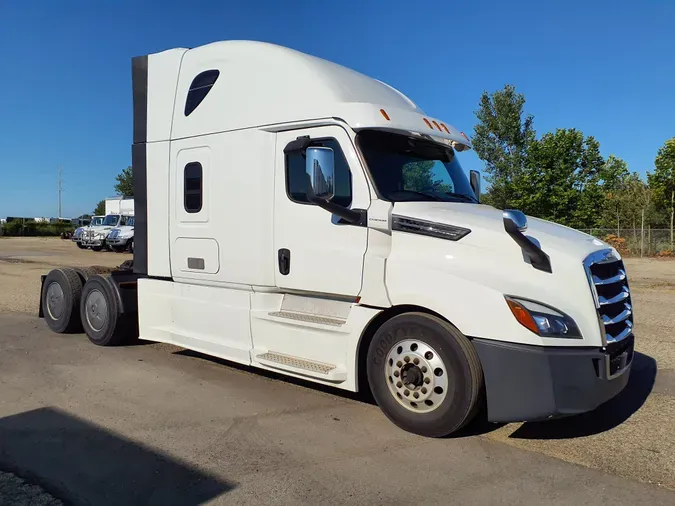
{"x":60,"y":191}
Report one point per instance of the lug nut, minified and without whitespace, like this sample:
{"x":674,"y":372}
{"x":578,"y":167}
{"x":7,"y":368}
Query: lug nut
{"x":399,"y":384}
{"x":406,"y":393}
{"x":416,"y":395}
{"x":407,"y":359}
{"x":416,"y":361}
{"x":396,"y":373}
{"x":399,"y":364}
{"x":424,"y":390}
{"x":427,"y":380}
{"x":424,"y":368}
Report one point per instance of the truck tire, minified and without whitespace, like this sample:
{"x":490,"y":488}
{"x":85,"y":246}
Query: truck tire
{"x":100,"y":312}
{"x":85,"y":273}
{"x":61,"y":294}
{"x":97,"y":248}
{"x":80,"y":245}
{"x":119,"y":249}
{"x":424,"y":374}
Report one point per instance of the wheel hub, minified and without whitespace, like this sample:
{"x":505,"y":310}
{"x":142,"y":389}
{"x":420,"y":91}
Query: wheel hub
{"x":55,"y":300}
{"x":416,"y":376}
{"x":96,"y":310}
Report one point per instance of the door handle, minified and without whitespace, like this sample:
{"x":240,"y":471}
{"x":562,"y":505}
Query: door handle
{"x":284,"y":261}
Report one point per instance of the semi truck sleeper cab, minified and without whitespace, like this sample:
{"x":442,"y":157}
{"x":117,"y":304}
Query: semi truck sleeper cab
{"x":294,"y":215}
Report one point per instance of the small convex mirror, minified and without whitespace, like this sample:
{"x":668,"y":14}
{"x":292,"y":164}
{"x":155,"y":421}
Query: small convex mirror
{"x":320,"y":173}
{"x":474,"y":179}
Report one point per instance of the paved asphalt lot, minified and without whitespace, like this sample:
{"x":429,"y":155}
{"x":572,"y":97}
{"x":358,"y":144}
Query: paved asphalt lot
{"x":151,"y":424}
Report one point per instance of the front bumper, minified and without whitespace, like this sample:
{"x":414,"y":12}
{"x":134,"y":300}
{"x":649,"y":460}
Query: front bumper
{"x":118,"y":241}
{"x":529,"y":383}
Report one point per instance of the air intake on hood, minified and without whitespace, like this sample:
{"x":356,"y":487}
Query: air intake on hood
{"x":430,"y":228}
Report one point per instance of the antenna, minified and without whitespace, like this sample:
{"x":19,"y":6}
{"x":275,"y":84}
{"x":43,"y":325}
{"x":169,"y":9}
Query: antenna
{"x":58,"y":216}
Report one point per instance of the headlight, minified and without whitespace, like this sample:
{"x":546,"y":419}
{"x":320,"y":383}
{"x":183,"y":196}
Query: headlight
{"x":544,"y":321}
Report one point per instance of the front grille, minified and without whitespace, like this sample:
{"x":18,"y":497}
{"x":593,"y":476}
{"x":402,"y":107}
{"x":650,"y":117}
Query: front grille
{"x":607,"y":276}
{"x":114,"y":234}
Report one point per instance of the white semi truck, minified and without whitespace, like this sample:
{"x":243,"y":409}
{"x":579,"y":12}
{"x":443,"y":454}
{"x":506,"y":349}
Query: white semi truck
{"x":297,"y":216}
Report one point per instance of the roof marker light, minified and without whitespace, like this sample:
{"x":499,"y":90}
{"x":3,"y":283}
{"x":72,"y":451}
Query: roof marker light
{"x":464,"y":135}
{"x":436,"y":125}
{"x":384,"y":113}
{"x":428,"y":124}
{"x":445,"y":128}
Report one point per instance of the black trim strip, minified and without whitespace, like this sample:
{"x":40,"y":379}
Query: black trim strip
{"x":139,"y":79}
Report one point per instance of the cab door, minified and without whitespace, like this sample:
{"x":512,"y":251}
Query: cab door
{"x":316,"y":251}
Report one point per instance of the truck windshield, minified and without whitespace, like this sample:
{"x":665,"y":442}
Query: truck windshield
{"x":408,"y":169}
{"x":111,"y":220}
{"x":97,"y":221}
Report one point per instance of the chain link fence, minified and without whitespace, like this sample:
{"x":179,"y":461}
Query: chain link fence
{"x":636,"y":241}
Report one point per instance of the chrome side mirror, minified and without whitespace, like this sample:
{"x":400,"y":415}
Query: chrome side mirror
{"x":474,"y":179}
{"x":320,"y":168}
{"x":514,"y":221}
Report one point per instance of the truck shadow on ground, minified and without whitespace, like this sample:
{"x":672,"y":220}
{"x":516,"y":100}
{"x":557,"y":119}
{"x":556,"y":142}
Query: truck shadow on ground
{"x":82,"y":463}
{"x":604,"y":418}
{"x":607,"y":416}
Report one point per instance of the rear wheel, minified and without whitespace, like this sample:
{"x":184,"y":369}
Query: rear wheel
{"x":424,"y":374}
{"x":100,"y":313}
{"x":61,"y":294}
{"x":97,"y":248}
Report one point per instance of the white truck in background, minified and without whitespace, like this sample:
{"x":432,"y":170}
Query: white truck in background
{"x":297,"y":216}
{"x":121,"y":238}
{"x":118,"y":211}
{"x":80,"y":231}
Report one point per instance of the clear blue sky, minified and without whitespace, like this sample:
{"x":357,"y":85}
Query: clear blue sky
{"x":604,"y":67}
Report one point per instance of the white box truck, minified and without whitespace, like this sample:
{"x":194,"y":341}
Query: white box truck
{"x":297,"y":216}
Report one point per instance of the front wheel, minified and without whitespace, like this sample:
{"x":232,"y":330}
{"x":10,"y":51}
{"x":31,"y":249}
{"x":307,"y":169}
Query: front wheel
{"x":119,"y":249}
{"x":80,"y":245}
{"x":424,"y":374}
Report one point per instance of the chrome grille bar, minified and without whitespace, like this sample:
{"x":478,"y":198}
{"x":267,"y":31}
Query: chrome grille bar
{"x":621,"y":276}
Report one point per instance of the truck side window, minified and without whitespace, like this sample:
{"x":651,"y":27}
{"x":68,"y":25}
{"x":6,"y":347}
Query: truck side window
{"x":296,"y":181}
{"x":199,"y":88}
{"x":192,"y":187}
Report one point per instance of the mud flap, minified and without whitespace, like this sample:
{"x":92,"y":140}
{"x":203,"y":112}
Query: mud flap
{"x":41,"y":313}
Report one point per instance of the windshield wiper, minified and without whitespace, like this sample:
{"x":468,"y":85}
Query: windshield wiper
{"x":462,"y":196}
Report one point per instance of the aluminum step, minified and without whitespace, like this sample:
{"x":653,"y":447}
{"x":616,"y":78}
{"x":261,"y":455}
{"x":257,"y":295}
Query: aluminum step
{"x":309,"y":318}
{"x":327,"y":372}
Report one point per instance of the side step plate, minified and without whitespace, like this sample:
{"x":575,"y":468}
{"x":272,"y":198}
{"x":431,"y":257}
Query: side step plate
{"x":309,"y":318}
{"x":320,"y":370}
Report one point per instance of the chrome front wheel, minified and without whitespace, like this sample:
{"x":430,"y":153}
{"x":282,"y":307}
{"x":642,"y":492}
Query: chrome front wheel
{"x":416,"y":375}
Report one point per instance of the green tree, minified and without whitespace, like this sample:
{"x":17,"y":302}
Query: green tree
{"x":662,"y":181}
{"x":125,"y":183}
{"x":561,"y":180}
{"x":100,"y":209}
{"x":502,"y":138}
{"x":614,"y":174}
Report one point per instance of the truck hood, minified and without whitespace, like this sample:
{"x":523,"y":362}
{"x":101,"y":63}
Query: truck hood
{"x":487,"y":228}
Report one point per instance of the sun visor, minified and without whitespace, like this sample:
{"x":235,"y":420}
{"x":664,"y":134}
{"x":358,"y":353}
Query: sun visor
{"x":363,"y":116}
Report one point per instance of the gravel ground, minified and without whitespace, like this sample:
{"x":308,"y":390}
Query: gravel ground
{"x":24,"y":259}
{"x":15,"y":491}
{"x":631,"y":436}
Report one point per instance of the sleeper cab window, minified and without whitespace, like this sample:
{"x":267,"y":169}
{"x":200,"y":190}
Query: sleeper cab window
{"x":199,"y":88}
{"x":296,"y":181}
{"x":192,"y":187}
